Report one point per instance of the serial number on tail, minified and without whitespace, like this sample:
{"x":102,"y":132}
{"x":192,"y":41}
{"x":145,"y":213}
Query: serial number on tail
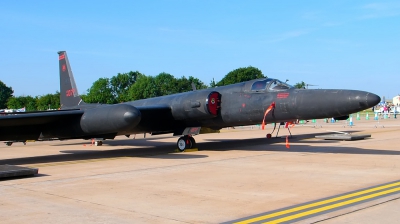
{"x":70,"y":92}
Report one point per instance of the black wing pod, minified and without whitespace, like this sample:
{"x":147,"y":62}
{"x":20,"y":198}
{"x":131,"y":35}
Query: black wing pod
{"x":118,"y":118}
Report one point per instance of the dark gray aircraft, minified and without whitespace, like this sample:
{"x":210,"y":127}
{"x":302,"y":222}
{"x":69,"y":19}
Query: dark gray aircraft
{"x":263,"y":100}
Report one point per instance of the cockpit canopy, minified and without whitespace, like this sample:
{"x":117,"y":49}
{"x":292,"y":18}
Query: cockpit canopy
{"x":270,"y":85}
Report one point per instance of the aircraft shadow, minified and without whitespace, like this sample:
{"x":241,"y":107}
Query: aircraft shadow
{"x":268,"y":145}
{"x":23,"y":177}
{"x":165,"y":150}
{"x":121,"y":142}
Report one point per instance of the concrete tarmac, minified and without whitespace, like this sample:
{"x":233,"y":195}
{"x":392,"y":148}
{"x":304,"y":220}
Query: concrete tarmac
{"x":236,"y":174}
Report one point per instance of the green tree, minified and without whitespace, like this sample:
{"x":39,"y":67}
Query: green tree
{"x":100,"y":92}
{"x":121,"y":83}
{"x":48,"y":101}
{"x":144,"y":87}
{"x":199,"y":84}
{"x":185,"y":85}
{"x":166,"y":84}
{"x":5,"y":93}
{"x":300,"y":85}
{"x":241,"y":75}
{"x":22,"y":101}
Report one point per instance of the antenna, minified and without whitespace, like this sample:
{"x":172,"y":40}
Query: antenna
{"x":307,"y":85}
{"x":193,"y":86}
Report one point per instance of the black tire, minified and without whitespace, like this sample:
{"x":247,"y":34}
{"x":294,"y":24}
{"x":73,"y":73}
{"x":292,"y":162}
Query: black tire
{"x":184,"y":143}
{"x":181,"y":143}
{"x":193,"y":142}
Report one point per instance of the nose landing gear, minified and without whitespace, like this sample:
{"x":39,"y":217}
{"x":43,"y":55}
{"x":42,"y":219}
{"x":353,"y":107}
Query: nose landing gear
{"x":186,"y":142}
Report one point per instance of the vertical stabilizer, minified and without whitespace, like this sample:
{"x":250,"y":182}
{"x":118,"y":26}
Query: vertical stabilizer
{"x":69,"y":96}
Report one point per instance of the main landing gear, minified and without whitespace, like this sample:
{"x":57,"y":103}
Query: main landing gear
{"x":186,"y":142}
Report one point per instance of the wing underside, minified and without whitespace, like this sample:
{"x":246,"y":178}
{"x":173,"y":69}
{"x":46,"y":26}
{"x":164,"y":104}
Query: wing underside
{"x":29,"y":126}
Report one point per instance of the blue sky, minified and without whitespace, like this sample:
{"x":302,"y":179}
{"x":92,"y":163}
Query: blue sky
{"x":331,"y":44}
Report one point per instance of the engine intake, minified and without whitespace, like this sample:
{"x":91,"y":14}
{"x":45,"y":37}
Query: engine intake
{"x":197,"y":105}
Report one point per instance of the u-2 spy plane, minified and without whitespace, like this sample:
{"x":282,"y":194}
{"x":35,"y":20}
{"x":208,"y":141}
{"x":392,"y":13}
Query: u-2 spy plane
{"x":264,"y":100}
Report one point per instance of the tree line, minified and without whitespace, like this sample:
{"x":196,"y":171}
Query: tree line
{"x":126,"y":87}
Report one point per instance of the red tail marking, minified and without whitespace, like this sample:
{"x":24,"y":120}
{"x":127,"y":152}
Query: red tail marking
{"x":61,"y":57}
{"x":63,"y":68}
{"x":70,"y":92}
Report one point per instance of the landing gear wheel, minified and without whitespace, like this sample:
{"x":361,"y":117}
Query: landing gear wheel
{"x":185,"y":142}
{"x":181,"y":144}
{"x":98,"y":143}
{"x":193,"y":142}
{"x":9,"y":143}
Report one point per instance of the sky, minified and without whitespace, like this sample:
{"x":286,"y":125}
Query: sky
{"x":327,"y":44}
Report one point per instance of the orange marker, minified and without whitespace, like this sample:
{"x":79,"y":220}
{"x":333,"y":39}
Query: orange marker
{"x":287,"y":141}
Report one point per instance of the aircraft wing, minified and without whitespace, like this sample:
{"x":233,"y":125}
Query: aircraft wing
{"x":29,"y":126}
{"x":37,"y":118}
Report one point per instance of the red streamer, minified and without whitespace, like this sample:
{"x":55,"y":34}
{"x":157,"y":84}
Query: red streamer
{"x":271,"y":107}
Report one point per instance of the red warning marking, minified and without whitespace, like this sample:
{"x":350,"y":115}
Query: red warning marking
{"x":247,"y":96}
{"x":70,"y":92}
{"x":61,"y":57}
{"x":289,"y":123}
{"x":271,"y":107}
{"x":63,"y":68}
{"x":282,"y":95}
{"x":192,"y":130}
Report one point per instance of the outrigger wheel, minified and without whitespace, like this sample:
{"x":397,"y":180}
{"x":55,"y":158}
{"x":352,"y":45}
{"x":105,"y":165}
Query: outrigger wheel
{"x":186,"y":142}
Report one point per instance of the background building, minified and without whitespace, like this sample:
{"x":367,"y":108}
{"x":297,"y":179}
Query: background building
{"x":396,"y":100}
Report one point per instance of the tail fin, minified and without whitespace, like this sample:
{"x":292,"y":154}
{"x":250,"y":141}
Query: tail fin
{"x":69,"y":96}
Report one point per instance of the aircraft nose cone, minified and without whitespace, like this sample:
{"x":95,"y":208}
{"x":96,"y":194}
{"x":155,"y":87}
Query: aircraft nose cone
{"x":372,"y":99}
{"x":332,"y":103}
{"x":364,"y":99}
